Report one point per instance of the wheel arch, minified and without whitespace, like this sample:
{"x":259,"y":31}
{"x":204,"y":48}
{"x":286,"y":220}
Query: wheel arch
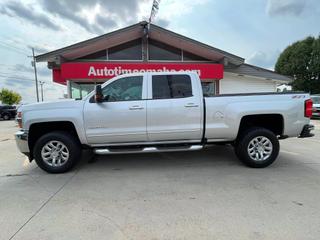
{"x":36,"y":130}
{"x":272,"y":122}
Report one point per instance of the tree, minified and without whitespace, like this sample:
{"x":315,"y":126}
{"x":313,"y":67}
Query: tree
{"x":301,"y":60}
{"x":9,"y":97}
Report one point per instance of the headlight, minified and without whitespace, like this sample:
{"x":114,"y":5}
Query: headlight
{"x":19,"y":119}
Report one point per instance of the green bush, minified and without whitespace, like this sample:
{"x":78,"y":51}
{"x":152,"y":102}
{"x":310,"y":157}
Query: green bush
{"x":9,"y":97}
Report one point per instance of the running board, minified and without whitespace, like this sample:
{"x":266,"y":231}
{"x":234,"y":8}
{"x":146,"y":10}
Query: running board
{"x":106,"y":151}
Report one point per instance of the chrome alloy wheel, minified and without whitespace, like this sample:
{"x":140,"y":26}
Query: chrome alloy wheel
{"x":260,"y":148}
{"x":55,"y":153}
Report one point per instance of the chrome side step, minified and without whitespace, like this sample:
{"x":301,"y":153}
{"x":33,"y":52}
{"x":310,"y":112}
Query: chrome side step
{"x":106,"y":151}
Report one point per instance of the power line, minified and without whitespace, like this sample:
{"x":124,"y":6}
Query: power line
{"x":5,"y":38}
{"x":12,"y":46}
{"x":13,"y":49}
{"x":17,"y":78}
{"x":20,"y":78}
{"x":11,"y":72}
{"x":8,"y":73}
{"x":29,"y":80}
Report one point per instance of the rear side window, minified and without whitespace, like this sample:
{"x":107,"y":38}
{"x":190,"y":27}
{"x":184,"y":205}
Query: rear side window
{"x":171,"y":86}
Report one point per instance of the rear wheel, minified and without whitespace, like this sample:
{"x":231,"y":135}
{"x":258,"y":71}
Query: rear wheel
{"x":257,"y":147}
{"x":57,"y":152}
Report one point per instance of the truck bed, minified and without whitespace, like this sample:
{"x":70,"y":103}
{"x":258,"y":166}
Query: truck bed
{"x":224,"y":112}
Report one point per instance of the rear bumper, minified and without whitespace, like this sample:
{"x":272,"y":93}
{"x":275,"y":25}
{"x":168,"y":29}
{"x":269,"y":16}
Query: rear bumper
{"x":22,"y":141}
{"x":306,"y":131}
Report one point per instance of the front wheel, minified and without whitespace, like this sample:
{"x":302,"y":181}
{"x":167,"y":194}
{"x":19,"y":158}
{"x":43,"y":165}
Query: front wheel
{"x":57,"y":152}
{"x":257,"y":147}
{"x":6,"y":117}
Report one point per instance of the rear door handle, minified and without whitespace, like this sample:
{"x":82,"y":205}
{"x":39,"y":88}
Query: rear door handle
{"x":135,"y":107}
{"x":191,"y":105}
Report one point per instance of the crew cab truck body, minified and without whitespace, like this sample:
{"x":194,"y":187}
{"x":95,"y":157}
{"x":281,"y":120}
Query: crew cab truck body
{"x":150,"y":112}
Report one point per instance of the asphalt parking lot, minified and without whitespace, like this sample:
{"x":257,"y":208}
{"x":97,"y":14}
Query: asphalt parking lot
{"x":195,"y":195}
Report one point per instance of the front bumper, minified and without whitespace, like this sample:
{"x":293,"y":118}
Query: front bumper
{"x":22,"y":141}
{"x":306,"y":131}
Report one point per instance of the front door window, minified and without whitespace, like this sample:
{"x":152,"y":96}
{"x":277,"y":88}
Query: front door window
{"x":124,"y":89}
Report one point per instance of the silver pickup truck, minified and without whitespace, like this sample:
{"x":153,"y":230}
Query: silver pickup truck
{"x":157,"y":112}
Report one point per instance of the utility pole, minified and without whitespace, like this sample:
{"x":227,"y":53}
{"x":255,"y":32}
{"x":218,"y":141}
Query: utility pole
{"x":41,"y":87}
{"x":34,"y":65}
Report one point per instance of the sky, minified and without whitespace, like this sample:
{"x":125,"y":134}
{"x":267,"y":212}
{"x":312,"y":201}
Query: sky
{"x":255,"y":30}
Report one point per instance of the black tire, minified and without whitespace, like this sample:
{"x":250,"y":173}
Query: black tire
{"x":6,"y":117}
{"x":69,"y":141}
{"x":243,"y":141}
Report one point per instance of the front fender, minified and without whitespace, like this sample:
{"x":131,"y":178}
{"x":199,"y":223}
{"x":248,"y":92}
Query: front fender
{"x":54,"y":115}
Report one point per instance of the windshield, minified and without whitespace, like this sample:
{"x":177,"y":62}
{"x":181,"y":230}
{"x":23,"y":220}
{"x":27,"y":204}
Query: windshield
{"x":316,"y":100}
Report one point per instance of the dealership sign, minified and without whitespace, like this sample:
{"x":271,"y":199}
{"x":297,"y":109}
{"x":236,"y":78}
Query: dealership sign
{"x":105,"y":70}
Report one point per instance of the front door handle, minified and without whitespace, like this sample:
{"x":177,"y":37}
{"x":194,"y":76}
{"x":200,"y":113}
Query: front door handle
{"x":191,"y":105}
{"x":135,"y":107}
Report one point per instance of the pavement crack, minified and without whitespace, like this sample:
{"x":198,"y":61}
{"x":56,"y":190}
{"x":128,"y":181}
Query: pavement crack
{"x":15,"y":175}
{"x":297,"y":203}
{"x":6,"y":139}
{"x":116,"y":225}
{"x":43,"y":205}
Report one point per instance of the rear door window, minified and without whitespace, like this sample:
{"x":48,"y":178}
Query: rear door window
{"x":171,"y":86}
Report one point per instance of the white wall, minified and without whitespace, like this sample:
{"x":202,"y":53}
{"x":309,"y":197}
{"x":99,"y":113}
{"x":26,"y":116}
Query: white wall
{"x":232,"y":83}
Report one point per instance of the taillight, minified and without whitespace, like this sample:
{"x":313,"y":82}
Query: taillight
{"x":308,"y":108}
{"x":19,"y":119}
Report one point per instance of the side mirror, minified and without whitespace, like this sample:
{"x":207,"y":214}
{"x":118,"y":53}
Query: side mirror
{"x":98,"y":94}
